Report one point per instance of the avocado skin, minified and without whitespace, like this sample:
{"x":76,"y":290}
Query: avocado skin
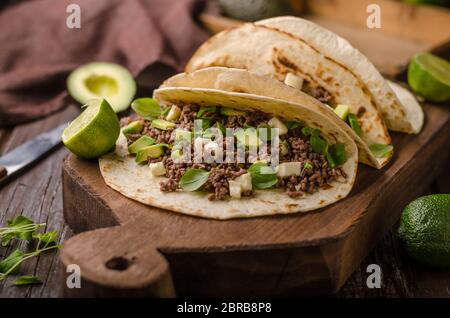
{"x":425,"y":230}
{"x":252,"y":10}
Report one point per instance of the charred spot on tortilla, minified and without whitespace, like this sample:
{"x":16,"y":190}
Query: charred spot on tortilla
{"x":287,"y":63}
{"x":361,"y":111}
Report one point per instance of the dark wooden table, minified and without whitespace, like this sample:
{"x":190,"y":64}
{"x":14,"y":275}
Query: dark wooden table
{"x":37,"y":194}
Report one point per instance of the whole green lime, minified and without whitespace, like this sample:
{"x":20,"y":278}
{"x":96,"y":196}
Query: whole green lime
{"x":425,"y":230}
{"x":94,"y":132}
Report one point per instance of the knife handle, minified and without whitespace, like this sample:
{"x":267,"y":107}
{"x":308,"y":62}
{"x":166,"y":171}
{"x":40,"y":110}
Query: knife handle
{"x":3,"y":172}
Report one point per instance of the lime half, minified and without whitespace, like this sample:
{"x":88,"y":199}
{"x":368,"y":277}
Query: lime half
{"x":94,"y":132}
{"x":429,"y":77}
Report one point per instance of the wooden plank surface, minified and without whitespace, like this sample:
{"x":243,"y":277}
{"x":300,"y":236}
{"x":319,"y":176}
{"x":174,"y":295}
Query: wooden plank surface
{"x":37,"y":194}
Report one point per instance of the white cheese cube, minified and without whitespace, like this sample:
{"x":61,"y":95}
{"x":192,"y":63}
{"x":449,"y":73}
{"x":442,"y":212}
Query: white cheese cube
{"x":294,"y":81}
{"x":246,"y":181}
{"x":235,"y":189}
{"x":287,"y":169}
{"x":276,"y":123}
{"x":174,"y":113}
{"x":157,"y":169}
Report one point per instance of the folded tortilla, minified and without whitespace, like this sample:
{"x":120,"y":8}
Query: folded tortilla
{"x":121,"y":173}
{"x":285,"y":45}
{"x":239,"y":80}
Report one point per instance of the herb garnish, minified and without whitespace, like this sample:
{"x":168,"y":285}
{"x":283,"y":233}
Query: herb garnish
{"x":21,"y":228}
{"x":291,"y":125}
{"x":353,"y":121}
{"x":263,"y":177}
{"x":335,"y":154}
{"x":146,"y":107}
{"x":24,"y":229}
{"x":193,"y":179}
{"x":203,"y":110}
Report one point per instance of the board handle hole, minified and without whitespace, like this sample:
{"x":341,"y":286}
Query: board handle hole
{"x":119,"y":263}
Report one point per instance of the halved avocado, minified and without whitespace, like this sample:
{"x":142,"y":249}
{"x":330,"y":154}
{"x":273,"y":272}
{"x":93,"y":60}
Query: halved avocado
{"x":102,"y":80}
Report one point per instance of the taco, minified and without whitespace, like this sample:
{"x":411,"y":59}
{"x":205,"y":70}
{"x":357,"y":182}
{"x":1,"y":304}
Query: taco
{"x":321,"y":64}
{"x":157,"y":159}
{"x":239,"y":80}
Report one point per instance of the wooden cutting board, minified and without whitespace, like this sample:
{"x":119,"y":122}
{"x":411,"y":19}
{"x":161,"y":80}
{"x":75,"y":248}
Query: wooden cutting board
{"x":129,"y":249}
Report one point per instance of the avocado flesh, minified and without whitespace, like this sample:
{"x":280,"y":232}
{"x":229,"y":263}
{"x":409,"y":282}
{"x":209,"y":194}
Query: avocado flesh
{"x":154,"y":151}
{"x":102,"y":80}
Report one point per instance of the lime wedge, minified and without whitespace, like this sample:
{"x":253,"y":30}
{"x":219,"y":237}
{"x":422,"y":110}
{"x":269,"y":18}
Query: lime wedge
{"x":94,"y":132}
{"x":429,"y":77}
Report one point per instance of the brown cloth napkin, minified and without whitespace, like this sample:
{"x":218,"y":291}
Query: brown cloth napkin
{"x":38,"y":50}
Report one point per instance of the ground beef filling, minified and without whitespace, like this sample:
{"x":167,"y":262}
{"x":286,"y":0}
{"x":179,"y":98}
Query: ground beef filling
{"x":217,"y":185}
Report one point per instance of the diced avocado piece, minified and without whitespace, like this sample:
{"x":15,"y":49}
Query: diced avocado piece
{"x":162,"y":124}
{"x":181,"y":134}
{"x":293,"y":81}
{"x":102,"y":80}
{"x":226,"y":111}
{"x":247,"y":137}
{"x":174,"y":113}
{"x":154,"y":151}
{"x":235,"y":189}
{"x":157,"y":169}
{"x":342,"y":111}
{"x":134,"y":127}
{"x":177,"y":153}
{"x":142,"y":142}
{"x":276,"y":123}
{"x":246,"y":181}
{"x":284,"y":147}
{"x":287,"y":169}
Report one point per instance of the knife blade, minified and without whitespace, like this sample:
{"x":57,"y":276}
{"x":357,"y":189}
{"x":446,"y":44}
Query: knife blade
{"x":19,"y":158}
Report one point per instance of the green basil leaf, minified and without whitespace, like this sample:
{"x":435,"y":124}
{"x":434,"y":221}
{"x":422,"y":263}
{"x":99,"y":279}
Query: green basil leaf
{"x":268,"y":131}
{"x":46,"y":238}
{"x":337,"y":153}
{"x":203,"y":110}
{"x":330,"y":160}
{"x":380,"y":150}
{"x":308,"y":131}
{"x":318,"y":144}
{"x":221,"y":127}
{"x":147,"y":108}
{"x":263,"y":177}
{"x":205,"y":124}
{"x":15,"y":226}
{"x":27,"y":280}
{"x":9,"y":262}
{"x":291,"y":125}
{"x":353,"y":121}
{"x":193,"y":179}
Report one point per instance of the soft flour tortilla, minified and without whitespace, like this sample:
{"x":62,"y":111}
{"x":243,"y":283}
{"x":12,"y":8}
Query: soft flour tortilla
{"x":276,"y":47}
{"x":400,"y":114}
{"x":266,"y":51}
{"x":238,"y":80}
{"x":121,"y":173}
{"x":414,"y":111}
